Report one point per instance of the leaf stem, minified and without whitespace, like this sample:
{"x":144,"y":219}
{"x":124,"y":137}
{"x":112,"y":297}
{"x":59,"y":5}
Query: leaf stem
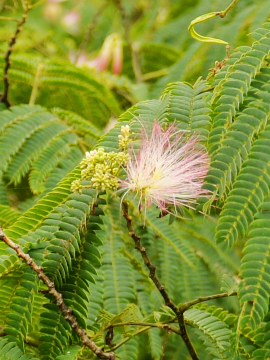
{"x":67,"y":312}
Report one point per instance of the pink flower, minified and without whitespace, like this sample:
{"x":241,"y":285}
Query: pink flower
{"x":117,"y":56}
{"x":169,"y":169}
{"x":71,"y":21}
{"x":112,"y":49}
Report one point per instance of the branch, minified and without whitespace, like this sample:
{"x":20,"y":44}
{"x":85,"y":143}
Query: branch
{"x":147,"y":326}
{"x":134,"y":54}
{"x":147,"y":261}
{"x":5,"y":18}
{"x":152,"y":274}
{"x":164,"y":326}
{"x":4,"y":97}
{"x":185,"y":306}
{"x":67,"y":312}
{"x":144,"y":327}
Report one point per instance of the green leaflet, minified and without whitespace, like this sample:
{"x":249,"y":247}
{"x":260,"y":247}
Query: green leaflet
{"x":9,"y":351}
{"x":255,"y":269}
{"x":215,"y":332}
{"x":141,"y":115}
{"x":73,"y":274}
{"x":248,"y":192}
{"x":34,"y":141}
{"x":188,"y":107}
{"x":55,"y":80}
{"x":231,"y":127}
{"x":180,"y":103}
{"x":8,"y":215}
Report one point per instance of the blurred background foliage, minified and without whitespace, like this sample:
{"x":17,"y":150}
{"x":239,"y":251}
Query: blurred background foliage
{"x":71,"y":34}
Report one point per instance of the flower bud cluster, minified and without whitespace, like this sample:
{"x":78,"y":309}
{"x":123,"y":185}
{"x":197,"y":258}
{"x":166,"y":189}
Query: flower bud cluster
{"x":124,"y":138}
{"x":101,"y":169}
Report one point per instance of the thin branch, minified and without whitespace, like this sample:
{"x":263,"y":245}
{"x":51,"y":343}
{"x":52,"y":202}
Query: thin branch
{"x":67,"y":312}
{"x":134,"y":52}
{"x":147,"y":261}
{"x":185,"y":306}
{"x":164,"y":326}
{"x":5,"y":18}
{"x":4,"y":97}
{"x":89,"y":33}
{"x":152,"y":274}
{"x":168,"y":329}
{"x":144,"y":327}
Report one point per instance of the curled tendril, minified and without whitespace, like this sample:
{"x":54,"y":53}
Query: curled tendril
{"x":202,"y":38}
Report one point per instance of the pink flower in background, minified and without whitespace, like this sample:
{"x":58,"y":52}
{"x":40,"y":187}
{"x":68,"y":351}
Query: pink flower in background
{"x":112,"y":49}
{"x":169,"y":169}
{"x":71,"y":21}
{"x":105,"y":56}
{"x":117,"y":56}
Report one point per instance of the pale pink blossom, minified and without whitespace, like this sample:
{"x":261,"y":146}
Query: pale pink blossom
{"x":169,"y":169}
{"x":71,"y":21}
{"x":117,"y":56}
{"x":111,"y":50}
{"x":106,"y":53}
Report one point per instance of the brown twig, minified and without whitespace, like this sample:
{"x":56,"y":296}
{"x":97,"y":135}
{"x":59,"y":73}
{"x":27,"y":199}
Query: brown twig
{"x":219,"y":64}
{"x":4,"y":97}
{"x":144,"y":328}
{"x":162,"y":326}
{"x":185,"y":306}
{"x":134,"y":53}
{"x":89,"y":32}
{"x":67,"y":312}
{"x":152,"y":274}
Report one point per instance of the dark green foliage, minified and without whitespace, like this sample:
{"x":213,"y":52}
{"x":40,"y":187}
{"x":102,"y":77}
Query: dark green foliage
{"x":49,"y":83}
{"x":9,"y":351}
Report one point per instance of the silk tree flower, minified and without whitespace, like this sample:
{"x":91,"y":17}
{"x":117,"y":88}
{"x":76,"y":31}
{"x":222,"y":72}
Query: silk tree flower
{"x":168,"y":170}
{"x":112,"y":49}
